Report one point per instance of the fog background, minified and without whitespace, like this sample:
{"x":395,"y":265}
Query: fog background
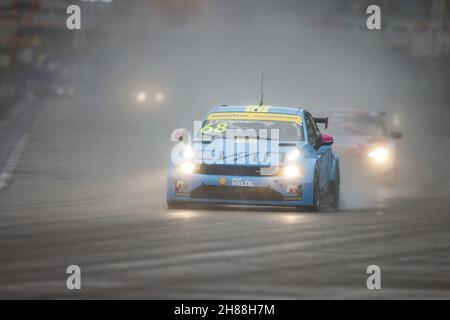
{"x":83,"y":171}
{"x":314,"y":54}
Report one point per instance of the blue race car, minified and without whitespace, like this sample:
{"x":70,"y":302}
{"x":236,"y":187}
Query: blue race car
{"x":254,"y":155}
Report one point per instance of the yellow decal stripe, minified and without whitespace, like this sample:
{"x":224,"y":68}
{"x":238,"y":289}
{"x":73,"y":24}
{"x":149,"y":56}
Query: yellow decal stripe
{"x":255,"y":116}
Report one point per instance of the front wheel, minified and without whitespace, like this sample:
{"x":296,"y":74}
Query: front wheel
{"x":316,"y":206}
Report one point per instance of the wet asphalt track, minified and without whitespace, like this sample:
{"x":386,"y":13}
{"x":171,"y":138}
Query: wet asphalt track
{"x":87,"y":191}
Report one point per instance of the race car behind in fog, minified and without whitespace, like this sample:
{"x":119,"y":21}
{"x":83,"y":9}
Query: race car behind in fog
{"x":365,"y":142}
{"x":274,"y":156}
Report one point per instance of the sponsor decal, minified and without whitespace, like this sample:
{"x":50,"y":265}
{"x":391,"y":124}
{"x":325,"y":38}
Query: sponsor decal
{"x":261,"y":116}
{"x":181,"y":188}
{"x":239,"y":182}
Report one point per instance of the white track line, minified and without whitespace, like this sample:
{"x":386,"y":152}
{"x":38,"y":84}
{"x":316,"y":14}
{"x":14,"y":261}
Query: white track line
{"x":7,"y":174}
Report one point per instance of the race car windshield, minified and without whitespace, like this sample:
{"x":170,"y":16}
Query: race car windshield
{"x":363,"y":125}
{"x":288,"y":131}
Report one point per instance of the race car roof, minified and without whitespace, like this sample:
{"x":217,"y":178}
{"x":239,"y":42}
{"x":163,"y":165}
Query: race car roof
{"x":270,"y":109}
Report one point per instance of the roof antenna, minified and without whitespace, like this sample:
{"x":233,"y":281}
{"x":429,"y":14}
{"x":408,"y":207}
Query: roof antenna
{"x":261,"y":102}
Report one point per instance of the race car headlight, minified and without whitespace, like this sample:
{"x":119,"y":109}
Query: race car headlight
{"x":293,"y":155}
{"x":379,"y":154}
{"x":186,"y":167}
{"x":141,"y":97}
{"x":291,"y":171}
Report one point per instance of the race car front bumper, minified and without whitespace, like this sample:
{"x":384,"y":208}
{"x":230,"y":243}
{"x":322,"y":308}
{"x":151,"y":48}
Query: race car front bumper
{"x":240,"y":190}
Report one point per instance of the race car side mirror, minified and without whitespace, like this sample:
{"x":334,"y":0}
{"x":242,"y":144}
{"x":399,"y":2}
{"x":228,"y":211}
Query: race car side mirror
{"x":325,"y":140}
{"x":395,"y":135}
{"x":179,"y":135}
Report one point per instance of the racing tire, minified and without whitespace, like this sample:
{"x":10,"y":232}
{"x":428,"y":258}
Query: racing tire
{"x":316,"y":206}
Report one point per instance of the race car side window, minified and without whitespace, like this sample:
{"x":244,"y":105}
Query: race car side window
{"x":316,"y":128}
{"x":313,"y":134}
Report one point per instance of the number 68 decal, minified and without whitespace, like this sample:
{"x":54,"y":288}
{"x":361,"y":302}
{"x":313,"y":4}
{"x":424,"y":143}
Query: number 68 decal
{"x":218,"y":128}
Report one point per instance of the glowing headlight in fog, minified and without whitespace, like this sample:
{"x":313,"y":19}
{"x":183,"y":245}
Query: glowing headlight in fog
{"x":141,"y":97}
{"x":293,"y":155}
{"x":379,"y":154}
{"x":291,"y":171}
{"x":187,"y":167}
